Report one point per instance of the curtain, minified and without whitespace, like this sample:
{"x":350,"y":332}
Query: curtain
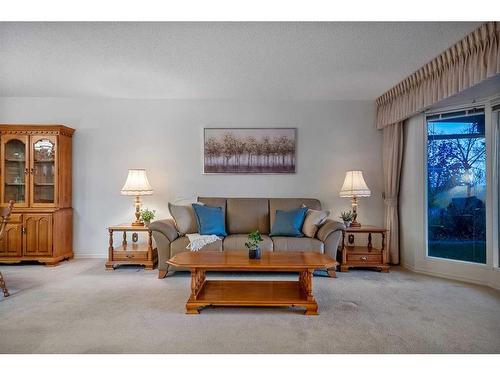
{"x":472,"y":60}
{"x":392,"y":158}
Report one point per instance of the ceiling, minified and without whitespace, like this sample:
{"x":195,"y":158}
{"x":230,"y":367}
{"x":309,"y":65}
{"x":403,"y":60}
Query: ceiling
{"x":235,"y":60}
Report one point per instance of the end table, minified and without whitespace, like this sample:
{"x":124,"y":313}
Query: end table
{"x":364,"y":256}
{"x":135,"y":253}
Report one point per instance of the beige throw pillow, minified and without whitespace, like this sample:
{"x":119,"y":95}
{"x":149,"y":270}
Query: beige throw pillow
{"x":184,"y":218}
{"x":313,"y":221}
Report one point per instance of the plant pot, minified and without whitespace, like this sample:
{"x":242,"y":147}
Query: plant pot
{"x":347,"y":223}
{"x":147,"y":222}
{"x":254,"y":254}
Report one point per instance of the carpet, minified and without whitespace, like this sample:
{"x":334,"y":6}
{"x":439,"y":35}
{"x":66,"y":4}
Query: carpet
{"x":78,"y":307}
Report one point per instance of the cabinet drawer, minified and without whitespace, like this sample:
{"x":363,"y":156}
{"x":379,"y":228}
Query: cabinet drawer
{"x":364,"y":258}
{"x":16,"y":218}
{"x":130,"y":255}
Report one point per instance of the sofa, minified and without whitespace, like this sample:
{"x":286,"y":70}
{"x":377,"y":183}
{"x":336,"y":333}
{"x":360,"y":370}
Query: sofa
{"x":244,"y":215}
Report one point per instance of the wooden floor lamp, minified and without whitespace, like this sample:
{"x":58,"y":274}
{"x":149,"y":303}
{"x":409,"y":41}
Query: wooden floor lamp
{"x":4,"y":216}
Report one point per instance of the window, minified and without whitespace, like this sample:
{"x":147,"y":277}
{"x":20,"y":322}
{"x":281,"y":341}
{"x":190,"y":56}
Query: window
{"x":456,"y":186}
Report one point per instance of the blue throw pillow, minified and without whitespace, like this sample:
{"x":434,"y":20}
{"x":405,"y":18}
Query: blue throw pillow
{"x":289,"y":223}
{"x":210,"y":220}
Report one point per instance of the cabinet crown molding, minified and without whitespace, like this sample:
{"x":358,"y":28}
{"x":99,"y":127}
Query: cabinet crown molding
{"x":39,"y":129}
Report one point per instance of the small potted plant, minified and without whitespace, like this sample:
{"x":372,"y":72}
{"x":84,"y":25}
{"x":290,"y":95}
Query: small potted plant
{"x":347,"y":217}
{"x":147,"y":215}
{"x":252,"y":245}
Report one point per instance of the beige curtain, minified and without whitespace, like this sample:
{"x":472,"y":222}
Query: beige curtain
{"x":392,"y":157}
{"x":470,"y":61}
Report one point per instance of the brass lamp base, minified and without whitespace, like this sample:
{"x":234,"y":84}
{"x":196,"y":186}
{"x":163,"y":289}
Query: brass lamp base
{"x":354,"y":204}
{"x":137,"y":203}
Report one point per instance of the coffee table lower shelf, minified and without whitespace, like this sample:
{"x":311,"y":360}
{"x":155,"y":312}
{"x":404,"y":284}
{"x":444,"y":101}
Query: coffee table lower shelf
{"x":251,"y":293}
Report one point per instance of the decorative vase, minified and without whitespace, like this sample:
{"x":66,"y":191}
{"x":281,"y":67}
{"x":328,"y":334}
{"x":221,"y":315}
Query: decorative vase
{"x":147,"y":222}
{"x":347,"y":223}
{"x":254,"y":253}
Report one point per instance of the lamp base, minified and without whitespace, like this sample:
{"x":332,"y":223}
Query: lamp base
{"x":137,"y":204}
{"x":355,"y":224}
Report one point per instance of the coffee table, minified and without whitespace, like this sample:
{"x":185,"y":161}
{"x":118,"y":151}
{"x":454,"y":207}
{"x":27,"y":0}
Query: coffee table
{"x":251,"y":292}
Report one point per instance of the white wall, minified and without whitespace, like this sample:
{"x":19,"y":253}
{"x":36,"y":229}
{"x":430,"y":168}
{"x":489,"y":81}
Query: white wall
{"x":165,"y":137}
{"x":412,"y":211}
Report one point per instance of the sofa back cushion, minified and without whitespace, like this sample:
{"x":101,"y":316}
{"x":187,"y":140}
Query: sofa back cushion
{"x":248,"y":214}
{"x":287,"y":204}
{"x":244,"y":215}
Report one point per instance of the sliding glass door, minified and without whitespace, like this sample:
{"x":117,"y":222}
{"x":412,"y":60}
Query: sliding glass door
{"x":456,"y":186}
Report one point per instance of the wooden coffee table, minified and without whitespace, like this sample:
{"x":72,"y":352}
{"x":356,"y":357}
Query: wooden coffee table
{"x":251,"y":293}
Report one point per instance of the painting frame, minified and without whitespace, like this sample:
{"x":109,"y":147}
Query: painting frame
{"x":245,"y":163}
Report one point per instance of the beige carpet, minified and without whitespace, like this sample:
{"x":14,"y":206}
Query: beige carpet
{"x":80,"y":308}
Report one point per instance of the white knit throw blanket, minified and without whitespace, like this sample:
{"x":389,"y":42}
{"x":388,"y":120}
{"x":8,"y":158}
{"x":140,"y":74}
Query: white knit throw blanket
{"x":197,"y":241}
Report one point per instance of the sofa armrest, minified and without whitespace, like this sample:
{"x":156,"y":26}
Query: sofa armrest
{"x":328,"y":227}
{"x":166,"y":227}
{"x":330,"y":233}
{"x":164,"y":233}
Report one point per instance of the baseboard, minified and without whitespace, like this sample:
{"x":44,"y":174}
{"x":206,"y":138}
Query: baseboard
{"x":451,"y":277}
{"x":408,"y":267}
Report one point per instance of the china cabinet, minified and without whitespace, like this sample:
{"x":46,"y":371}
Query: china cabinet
{"x":35,"y":170}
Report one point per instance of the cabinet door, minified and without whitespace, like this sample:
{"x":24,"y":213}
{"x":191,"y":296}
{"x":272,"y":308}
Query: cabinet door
{"x":43,"y":170}
{"x":14,"y":165}
{"x":12,"y":242}
{"x":37,"y":234}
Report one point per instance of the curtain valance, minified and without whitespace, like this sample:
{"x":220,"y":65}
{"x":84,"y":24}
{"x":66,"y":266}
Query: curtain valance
{"x":470,"y":61}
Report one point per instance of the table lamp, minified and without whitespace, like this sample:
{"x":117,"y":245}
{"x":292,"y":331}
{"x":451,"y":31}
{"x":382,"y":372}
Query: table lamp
{"x":137,"y":184}
{"x":354,"y":186}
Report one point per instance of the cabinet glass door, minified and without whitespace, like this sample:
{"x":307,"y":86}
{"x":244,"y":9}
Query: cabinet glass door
{"x":15,"y":172}
{"x":43,"y":170}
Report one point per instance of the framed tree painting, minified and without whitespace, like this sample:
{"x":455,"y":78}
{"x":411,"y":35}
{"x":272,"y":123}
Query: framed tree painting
{"x":249,"y":150}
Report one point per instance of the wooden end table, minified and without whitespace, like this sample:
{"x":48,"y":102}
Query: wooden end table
{"x":251,"y":292}
{"x":364,"y":256}
{"x":135,"y":253}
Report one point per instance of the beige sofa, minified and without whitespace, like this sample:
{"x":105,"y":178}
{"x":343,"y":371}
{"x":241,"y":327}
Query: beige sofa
{"x":244,"y":215}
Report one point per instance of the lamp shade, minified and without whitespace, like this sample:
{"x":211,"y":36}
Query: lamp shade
{"x":137,"y":183}
{"x":354,"y":185}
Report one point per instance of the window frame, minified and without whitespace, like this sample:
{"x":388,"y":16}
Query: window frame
{"x":495,"y":177}
{"x":460,"y":111}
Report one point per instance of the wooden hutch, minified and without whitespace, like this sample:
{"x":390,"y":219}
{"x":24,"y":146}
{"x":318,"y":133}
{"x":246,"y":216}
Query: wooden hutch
{"x":36,"y":174}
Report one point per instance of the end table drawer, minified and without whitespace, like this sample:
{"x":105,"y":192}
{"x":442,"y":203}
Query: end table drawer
{"x":129,"y":255}
{"x":361,"y":258}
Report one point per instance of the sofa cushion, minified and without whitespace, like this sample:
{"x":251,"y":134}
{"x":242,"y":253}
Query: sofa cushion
{"x":289,"y":223}
{"x":180,"y":244}
{"x":237,"y":242}
{"x":297,"y":244}
{"x":210,"y":220}
{"x":313,"y":221}
{"x":245,"y":215}
{"x":184,"y":218}
{"x":286,"y":204}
